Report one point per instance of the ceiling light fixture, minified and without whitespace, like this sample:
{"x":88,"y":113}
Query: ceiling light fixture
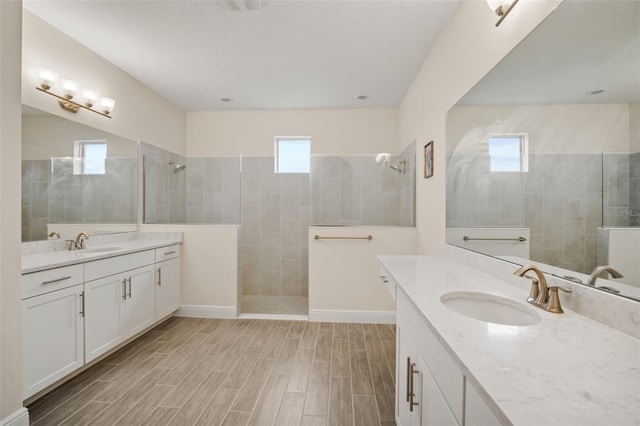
{"x":243,"y":5}
{"x":225,"y":99}
{"x":501,"y":8}
{"x":48,"y":78}
{"x":362,"y":97}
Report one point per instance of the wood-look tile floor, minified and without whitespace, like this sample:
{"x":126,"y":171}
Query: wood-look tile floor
{"x":191,"y":371}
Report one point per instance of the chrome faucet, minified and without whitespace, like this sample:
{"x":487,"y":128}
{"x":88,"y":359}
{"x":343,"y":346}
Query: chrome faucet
{"x":599,"y":270}
{"x":79,"y":244}
{"x":54,"y":234}
{"x":541,"y":294}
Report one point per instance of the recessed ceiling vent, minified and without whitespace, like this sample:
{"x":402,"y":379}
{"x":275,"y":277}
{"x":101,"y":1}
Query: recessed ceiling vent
{"x":243,"y":5}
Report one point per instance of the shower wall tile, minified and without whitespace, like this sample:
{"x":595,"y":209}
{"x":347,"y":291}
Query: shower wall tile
{"x":165,"y":197}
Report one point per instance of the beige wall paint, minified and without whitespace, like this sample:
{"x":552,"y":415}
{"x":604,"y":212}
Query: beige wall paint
{"x":552,"y":129}
{"x":10,"y":290}
{"x":209,"y":264}
{"x":634,"y":126}
{"x":468,"y":47}
{"x":139,"y":114}
{"x":344,"y":274}
{"x":251,"y":133}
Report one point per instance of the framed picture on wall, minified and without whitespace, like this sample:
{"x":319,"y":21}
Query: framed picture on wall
{"x":428,"y":160}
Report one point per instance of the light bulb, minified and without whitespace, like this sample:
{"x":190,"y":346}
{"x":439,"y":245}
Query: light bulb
{"x":106,"y":105}
{"x":90,"y":97}
{"x":47,"y":78}
{"x":69,"y":88}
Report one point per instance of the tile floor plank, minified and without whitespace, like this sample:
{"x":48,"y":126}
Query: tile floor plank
{"x":290,"y":412}
{"x":267,"y":406}
{"x":218,"y":407}
{"x":365,"y":411}
{"x":237,"y":418}
{"x":318,"y":390}
{"x":340,"y":402}
{"x":192,"y":409}
{"x":201,"y":371}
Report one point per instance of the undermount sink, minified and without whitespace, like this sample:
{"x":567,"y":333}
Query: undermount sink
{"x":490,"y":308}
{"x":99,"y":249}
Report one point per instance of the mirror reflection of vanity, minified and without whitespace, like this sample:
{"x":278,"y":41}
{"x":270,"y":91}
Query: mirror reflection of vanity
{"x":543,"y":154}
{"x":75,"y":178}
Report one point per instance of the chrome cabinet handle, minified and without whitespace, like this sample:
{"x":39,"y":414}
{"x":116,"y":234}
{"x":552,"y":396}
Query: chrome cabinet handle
{"x":169,"y":252}
{"x":129,"y":287}
{"x":82,"y":305}
{"x":412,"y":393}
{"x":57,"y":280}
{"x":124,"y":289}
{"x":160,"y":277}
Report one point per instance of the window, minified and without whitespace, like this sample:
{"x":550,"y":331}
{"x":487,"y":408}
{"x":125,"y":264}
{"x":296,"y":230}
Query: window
{"x":90,"y":156}
{"x":508,"y":153}
{"x":293,"y":155}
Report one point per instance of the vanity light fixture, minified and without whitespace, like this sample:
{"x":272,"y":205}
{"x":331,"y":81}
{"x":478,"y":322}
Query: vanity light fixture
{"x":70,"y":89}
{"x":501,"y":8}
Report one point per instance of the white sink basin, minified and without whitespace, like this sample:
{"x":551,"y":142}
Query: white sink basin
{"x":99,"y":249}
{"x":490,"y":308}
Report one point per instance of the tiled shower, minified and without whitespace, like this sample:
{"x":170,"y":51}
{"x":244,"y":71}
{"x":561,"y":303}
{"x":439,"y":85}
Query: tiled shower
{"x":274,"y":211}
{"x":563,"y":199}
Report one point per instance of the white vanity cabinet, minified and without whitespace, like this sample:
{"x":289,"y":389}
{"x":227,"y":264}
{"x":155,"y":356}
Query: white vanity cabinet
{"x":429,"y":377}
{"x":167,"y":291}
{"x":118,"y":305}
{"x":52,"y":336}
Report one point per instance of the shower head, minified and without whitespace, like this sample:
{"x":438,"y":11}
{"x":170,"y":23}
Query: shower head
{"x":383,"y":159}
{"x":177,"y":167}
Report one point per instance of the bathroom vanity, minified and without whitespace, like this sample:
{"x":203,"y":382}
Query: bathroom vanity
{"x":452,"y":369}
{"x":81,"y":305}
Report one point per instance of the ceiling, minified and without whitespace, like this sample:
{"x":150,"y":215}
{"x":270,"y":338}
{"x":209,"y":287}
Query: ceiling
{"x":301,"y":54}
{"x":581,"y":47}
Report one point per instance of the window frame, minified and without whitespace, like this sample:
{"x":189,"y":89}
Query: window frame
{"x":79,"y":156}
{"x":524,"y":150}
{"x":277,"y":162}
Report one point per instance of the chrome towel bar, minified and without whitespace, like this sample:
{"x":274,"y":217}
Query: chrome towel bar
{"x":521,"y":239}
{"x":368,"y":237}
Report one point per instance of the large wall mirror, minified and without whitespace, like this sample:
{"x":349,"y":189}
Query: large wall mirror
{"x":543,"y":154}
{"x":75,"y":178}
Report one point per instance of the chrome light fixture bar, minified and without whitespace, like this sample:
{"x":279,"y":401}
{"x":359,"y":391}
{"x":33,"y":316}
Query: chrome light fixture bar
{"x":502,"y":8}
{"x":48,"y":78}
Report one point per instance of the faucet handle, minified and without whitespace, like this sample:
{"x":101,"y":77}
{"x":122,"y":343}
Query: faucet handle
{"x":535,"y":289}
{"x":554,"y":299}
{"x":72,"y":245}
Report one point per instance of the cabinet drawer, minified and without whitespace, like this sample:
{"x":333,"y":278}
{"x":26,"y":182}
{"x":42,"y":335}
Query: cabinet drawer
{"x":166,"y":253}
{"x":42,"y":282}
{"x":117,"y":264}
{"x":388,"y":281}
{"x":443,"y":368}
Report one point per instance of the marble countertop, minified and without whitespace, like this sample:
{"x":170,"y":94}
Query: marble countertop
{"x":41,"y":261}
{"x":566,"y":370}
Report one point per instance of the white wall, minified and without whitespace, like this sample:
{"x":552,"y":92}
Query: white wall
{"x":251,"y":133}
{"x":10,"y":289}
{"x":552,"y":129}
{"x":139,"y":114}
{"x":209,"y":265}
{"x":468,"y":47}
{"x":344,"y":281}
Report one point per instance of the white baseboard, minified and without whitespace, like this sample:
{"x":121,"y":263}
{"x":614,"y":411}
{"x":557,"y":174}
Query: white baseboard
{"x":19,"y":418}
{"x":205,"y":311}
{"x":275,"y":317}
{"x":365,"y":317}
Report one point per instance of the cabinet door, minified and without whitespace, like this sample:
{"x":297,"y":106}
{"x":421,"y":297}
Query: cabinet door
{"x":167,"y":287}
{"x":477,"y":413}
{"x":140,"y":303}
{"x":433,"y":408}
{"x":104,"y":314}
{"x":52,"y":337}
{"x":405,"y":363}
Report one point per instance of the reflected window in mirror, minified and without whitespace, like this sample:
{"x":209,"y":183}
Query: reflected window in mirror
{"x":90,"y":157}
{"x":508,"y":153}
